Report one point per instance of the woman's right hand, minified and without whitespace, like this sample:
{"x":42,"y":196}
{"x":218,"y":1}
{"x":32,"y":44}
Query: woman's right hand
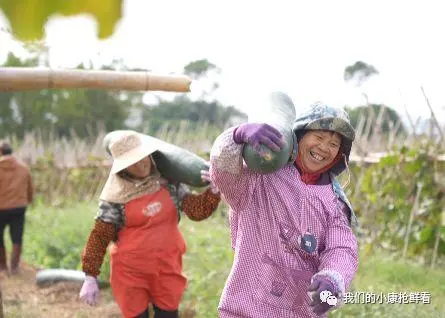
{"x":205,"y":176}
{"x":89,"y":293}
{"x":256,"y":134}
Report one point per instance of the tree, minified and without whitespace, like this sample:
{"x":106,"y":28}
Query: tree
{"x":391,"y":117}
{"x":203,"y":108}
{"x":206,"y":77}
{"x":359,"y":72}
{"x":183,"y":109}
{"x":83,"y":111}
{"x":24,"y":111}
{"x":199,"y":68}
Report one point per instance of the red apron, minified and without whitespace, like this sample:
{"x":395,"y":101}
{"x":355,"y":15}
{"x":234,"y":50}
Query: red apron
{"x":146,"y":261}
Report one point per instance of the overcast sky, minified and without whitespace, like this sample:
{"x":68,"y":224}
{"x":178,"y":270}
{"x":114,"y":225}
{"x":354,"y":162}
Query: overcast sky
{"x":299,"y":47}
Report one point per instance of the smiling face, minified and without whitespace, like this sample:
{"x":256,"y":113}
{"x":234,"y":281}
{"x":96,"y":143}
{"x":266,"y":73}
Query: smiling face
{"x":140,"y":169}
{"x":318,"y":148}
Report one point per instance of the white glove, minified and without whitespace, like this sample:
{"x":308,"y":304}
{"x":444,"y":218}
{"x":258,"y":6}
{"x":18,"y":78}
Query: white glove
{"x":90,"y":291}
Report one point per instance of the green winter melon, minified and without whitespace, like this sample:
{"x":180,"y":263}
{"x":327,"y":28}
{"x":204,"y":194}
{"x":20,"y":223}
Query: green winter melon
{"x":46,"y":277}
{"x":279,"y":112}
{"x":173,"y":162}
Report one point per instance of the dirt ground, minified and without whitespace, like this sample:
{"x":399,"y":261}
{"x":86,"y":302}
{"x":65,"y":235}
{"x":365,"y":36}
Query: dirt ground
{"x":23,"y":298}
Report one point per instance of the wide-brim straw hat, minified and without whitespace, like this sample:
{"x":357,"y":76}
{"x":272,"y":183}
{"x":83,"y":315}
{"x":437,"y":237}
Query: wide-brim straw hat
{"x":128,"y":148}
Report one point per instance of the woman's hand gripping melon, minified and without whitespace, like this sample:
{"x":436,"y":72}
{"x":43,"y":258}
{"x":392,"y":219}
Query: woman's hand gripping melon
{"x":279,"y":112}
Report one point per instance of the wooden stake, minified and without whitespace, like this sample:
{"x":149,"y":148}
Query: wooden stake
{"x":411,"y":218}
{"x":436,"y":247}
{"x":433,"y":116}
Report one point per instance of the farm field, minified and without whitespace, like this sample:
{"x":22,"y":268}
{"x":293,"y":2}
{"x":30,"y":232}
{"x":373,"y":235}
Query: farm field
{"x":55,"y":238}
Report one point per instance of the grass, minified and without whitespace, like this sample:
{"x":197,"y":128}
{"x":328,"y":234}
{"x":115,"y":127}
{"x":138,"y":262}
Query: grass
{"x":55,"y":238}
{"x":380,"y":275}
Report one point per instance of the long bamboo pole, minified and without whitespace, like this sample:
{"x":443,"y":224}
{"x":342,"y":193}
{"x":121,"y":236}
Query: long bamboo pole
{"x":31,"y":78}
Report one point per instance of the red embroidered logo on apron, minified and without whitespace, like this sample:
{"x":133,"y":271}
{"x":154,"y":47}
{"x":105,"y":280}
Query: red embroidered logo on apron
{"x":152,"y":209}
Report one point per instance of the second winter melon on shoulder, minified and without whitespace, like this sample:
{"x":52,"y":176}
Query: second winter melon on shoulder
{"x":173,"y":162}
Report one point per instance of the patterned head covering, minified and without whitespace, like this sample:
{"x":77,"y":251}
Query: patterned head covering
{"x":320,"y":116}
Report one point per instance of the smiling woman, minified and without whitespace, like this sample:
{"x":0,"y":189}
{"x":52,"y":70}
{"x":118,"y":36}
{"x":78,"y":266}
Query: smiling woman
{"x":294,"y":233}
{"x":318,"y":151}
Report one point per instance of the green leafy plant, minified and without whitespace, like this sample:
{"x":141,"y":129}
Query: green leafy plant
{"x":28,"y":17}
{"x":400,"y":203}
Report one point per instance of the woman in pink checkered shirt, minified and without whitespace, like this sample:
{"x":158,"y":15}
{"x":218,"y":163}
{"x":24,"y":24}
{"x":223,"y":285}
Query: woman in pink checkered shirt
{"x":295,"y":251}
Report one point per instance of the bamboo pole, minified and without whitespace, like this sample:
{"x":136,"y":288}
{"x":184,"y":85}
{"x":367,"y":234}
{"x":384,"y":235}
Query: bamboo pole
{"x":436,"y":247}
{"x":359,"y":132}
{"x":32,"y":78}
{"x":411,"y":218}
{"x":407,"y":113}
{"x":377,"y":135}
{"x":369,"y":124}
{"x":433,"y":115}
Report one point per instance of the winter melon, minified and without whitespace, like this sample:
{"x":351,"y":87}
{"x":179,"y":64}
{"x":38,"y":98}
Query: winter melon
{"x":279,"y":112}
{"x":51,"y":276}
{"x":173,"y":162}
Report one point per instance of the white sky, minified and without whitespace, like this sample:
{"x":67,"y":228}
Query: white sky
{"x":300,"y":47}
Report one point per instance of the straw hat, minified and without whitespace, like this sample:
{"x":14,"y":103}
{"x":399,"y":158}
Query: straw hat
{"x":128,"y":148}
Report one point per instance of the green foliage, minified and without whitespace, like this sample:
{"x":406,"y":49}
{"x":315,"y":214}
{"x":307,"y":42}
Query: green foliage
{"x":382,"y":275}
{"x":193,"y":112}
{"x":28,"y":17}
{"x":391,"y":117}
{"x":359,"y":72}
{"x":198,"y":68}
{"x":55,"y":238}
{"x":207,"y":262}
{"x":82,"y":111}
{"x":59,"y":187}
{"x":386,"y":199}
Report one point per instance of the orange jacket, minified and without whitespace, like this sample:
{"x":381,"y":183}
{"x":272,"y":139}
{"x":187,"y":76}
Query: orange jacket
{"x":16,"y":188}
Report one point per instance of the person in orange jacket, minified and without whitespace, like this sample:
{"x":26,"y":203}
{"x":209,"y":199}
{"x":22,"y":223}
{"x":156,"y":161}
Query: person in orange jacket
{"x":16,"y":193}
{"x":139,"y":213}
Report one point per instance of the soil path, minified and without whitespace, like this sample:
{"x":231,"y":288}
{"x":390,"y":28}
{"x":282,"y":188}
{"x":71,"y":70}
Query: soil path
{"x":23,"y":298}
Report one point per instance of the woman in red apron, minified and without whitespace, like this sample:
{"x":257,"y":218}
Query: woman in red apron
{"x":139,"y":213}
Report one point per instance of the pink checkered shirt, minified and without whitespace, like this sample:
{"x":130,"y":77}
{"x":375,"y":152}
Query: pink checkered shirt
{"x":271,"y":272}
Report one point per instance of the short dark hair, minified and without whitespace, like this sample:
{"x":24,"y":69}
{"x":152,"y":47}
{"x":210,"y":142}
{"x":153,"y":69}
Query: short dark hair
{"x":5,"y":149}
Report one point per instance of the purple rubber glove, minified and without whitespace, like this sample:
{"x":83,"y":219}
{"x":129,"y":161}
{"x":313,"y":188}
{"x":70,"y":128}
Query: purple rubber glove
{"x":257,"y":134}
{"x":90,"y":291}
{"x":324,"y":295}
{"x":205,"y":175}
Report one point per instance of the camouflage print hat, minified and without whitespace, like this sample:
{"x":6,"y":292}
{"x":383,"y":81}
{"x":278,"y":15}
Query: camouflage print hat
{"x":320,"y":116}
